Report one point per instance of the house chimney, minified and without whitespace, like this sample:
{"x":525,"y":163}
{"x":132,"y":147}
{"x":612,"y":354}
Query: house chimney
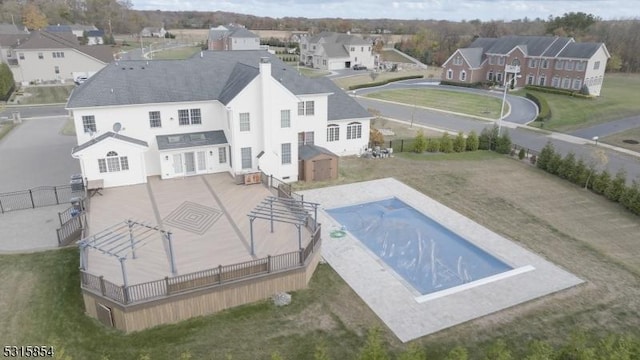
{"x":265,"y":66}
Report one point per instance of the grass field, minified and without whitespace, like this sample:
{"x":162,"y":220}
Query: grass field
{"x":312,"y":73}
{"x":5,"y":129}
{"x":617,"y":100}
{"x":390,"y":55}
{"x":177,"y":53}
{"x":365,"y":77}
{"x":617,"y":139}
{"x":460,"y":102}
{"x":45,"y":94}
{"x":581,"y":232}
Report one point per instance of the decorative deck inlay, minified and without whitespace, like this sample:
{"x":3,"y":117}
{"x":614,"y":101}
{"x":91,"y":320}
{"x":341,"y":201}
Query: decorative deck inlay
{"x":193,"y":217}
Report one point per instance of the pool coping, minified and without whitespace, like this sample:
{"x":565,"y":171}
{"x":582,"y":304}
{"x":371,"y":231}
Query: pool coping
{"x":410,"y":316}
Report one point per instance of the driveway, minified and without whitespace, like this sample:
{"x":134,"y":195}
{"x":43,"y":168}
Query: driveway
{"x":35,"y":154}
{"x":33,"y":111}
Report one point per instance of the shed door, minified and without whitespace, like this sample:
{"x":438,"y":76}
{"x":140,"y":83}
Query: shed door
{"x":321,"y":170}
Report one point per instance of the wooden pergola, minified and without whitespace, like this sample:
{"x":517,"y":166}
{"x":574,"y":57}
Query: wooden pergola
{"x":122,"y":240}
{"x":283,"y":210}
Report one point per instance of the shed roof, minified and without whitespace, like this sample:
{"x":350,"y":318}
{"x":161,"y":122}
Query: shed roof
{"x":179,"y":141}
{"x":306,"y":152}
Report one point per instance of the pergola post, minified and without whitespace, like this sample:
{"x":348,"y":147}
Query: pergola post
{"x":271,"y":206}
{"x":174,"y":272}
{"x":315,"y":217}
{"x":251,"y":232}
{"x":133,"y":250}
{"x":299,"y":236}
{"x":124,"y":271}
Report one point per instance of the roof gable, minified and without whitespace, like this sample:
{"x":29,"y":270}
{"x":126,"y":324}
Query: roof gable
{"x":106,"y":136}
{"x":46,"y":40}
{"x":581,"y":50}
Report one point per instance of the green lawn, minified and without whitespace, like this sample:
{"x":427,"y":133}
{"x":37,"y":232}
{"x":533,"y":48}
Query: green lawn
{"x":618,"y":99}
{"x":465,"y":103}
{"x":390,"y":55}
{"x":618,"y":139}
{"x":177,"y":53}
{"x":45,"y":94}
{"x":365,"y":78}
{"x":312,"y":73}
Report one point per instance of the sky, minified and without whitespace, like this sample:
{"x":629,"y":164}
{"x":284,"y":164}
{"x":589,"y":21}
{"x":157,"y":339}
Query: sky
{"x":453,"y":10}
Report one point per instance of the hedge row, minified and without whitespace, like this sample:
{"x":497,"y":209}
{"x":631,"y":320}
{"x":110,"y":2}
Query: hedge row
{"x":544,"y":111}
{"x":552,"y":90}
{"x":384,"y":82}
{"x":7,"y":84}
{"x":475,"y":85}
{"x":585,"y":175}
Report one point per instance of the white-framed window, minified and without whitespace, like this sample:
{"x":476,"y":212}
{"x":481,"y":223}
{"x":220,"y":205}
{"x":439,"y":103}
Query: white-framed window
{"x":89,"y":123}
{"x":306,"y":138}
{"x":596,"y":65}
{"x":568,"y":65}
{"x":463,"y":75}
{"x":492,"y":60}
{"x":533,"y":63}
{"x":245,"y":155}
{"x":501,"y":60}
{"x":306,"y":108}
{"x":555,"y":82}
{"x":58,"y":54}
{"x":245,"y":122}
{"x":154,"y":119}
{"x":566,"y":83}
{"x":577,"y":84}
{"x":354,"y":130}
{"x":40,"y":56}
{"x":285,"y":153}
{"x":581,"y":65}
{"x":333,"y":133}
{"x":222,"y":155}
{"x":285,"y":118}
{"x":21,"y":56}
{"x":177,"y":163}
{"x":499,"y":77}
{"x":542,"y":80}
{"x":189,"y":116}
{"x":531,"y":80}
{"x":457,"y":60}
{"x":56,"y":69}
{"x":544,"y":64}
{"x":449,"y":74}
{"x":113,"y":163}
{"x":559,"y":64}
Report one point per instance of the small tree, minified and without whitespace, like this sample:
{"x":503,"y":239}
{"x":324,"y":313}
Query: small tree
{"x":567,"y":166}
{"x":598,"y":157}
{"x":601,"y":182}
{"x":539,"y":350}
{"x":446,"y":144}
{"x":420,"y":143}
{"x":459,"y":143}
{"x":503,"y":143}
{"x":545,"y":156}
{"x":498,"y":351}
{"x":457,"y":353}
{"x":413,"y":353}
{"x":433,"y":145}
{"x":631,"y":197}
{"x":472,"y":141}
{"x":485,"y":140}
{"x":579,"y":174}
{"x":374,"y":349}
{"x":616,"y":188}
{"x":554,"y":164}
{"x":375,"y":137}
{"x":521,"y":154}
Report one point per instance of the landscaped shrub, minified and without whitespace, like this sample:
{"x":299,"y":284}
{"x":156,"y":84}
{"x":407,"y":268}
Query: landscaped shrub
{"x":580,"y":173}
{"x":503,"y":143}
{"x":533,"y":159}
{"x":616,"y":188}
{"x":631,"y":197}
{"x":375,"y":137}
{"x":521,"y":154}
{"x":544,"y":111}
{"x":472,"y":141}
{"x":486,"y":140}
{"x":420,"y":143}
{"x":7,"y":83}
{"x":545,"y":156}
{"x":567,"y":166}
{"x":601,"y":182}
{"x":433,"y":145}
{"x":446,"y":144}
{"x":552,"y":90}
{"x":459,"y":143}
{"x":554,"y":163}
{"x":475,"y":85}
{"x":384,"y":82}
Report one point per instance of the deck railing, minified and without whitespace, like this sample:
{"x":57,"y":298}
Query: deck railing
{"x":217,"y":276}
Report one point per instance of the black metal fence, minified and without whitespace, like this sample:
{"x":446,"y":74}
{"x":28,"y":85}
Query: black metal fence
{"x":37,"y":197}
{"x":72,"y":222}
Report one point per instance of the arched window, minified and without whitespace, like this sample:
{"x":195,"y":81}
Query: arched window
{"x":354,"y":130}
{"x":463,"y":75}
{"x":515,"y":62}
{"x":113,"y":163}
{"x":449,"y":74}
{"x":112,"y":153}
{"x":333,"y":133}
{"x":490,"y":75}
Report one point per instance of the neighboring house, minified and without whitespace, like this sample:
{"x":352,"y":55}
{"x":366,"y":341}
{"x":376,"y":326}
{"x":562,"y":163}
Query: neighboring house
{"x":232,"y":37}
{"x":558,"y":62}
{"x":296,"y":36}
{"x":46,"y":56}
{"x":11,"y":36}
{"x":95,"y":37}
{"x":222,"y":111}
{"x":153,"y":32}
{"x":333,"y":51}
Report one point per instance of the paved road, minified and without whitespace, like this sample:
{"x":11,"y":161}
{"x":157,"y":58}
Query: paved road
{"x":35,"y":154}
{"x":609,"y":128}
{"x":523,"y":137}
{"x":34,"y":111}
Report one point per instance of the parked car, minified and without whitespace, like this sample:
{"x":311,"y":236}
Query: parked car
{"x":359,"y":67}
{"x":80,"y":79}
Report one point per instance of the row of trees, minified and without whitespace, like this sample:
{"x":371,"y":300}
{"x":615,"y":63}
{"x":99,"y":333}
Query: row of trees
{"x":586,"y":175}
{"x":489,"y":139}
{"x":6,"y":82}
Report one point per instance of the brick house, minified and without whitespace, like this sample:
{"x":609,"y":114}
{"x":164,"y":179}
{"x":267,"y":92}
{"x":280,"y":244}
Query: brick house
{"x":559,"y":62}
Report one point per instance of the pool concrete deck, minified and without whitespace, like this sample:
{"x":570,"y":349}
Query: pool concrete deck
{"x":207,"y":216}
{"x":407,"y":314}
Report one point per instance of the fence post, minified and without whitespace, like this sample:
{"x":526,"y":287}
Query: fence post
{"x":268,"y":263}
{"x":102,"y":291}
{"x":166,"y":284}
{"x":55,"y":191}
{"x":402,"y":145}
{"x":33,"y":205}
{"x":125,"y":294}
{"x":219,"y":274}
{"x":301,"y":257}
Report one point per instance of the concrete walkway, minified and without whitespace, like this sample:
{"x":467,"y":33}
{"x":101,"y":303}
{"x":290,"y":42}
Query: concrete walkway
{"x":30,"y":230}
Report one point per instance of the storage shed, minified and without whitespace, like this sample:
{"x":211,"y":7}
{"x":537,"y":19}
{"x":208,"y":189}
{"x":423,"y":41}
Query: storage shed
{"x":316,"y":163}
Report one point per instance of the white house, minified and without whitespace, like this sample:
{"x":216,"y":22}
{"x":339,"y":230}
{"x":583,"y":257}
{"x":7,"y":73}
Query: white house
{"x":153,"y":32}
{"x":220,"y":111}
{"x":333,"y":51}
{"x":232,"y":37}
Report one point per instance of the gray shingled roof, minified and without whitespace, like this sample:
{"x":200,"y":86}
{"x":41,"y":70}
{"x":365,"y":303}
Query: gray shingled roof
{"x":335,"y":50}
{"x":306,"y":152}
{"x":580,"y":50}
{"x":473,"y":56}
{"x":10,"y":29}
{"x":108,"y":134}
{"x":342,"y":106}
{"x":13,"y":40}
{"x":344,"y":39}
{"x":533,"y":45}
{"x":179,"y":141}
{"x":47,"y":40}
{"x":230,"y":31}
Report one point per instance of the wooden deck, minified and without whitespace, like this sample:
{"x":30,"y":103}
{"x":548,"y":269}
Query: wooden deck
{"x":207,"y":216}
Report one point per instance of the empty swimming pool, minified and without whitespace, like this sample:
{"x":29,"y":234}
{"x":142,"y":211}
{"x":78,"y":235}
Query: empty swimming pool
{"x":424,"y":253}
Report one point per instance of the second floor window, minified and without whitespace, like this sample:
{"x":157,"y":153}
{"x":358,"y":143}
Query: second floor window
{"x":544,"y":64}
{"x":457,"y":60}
{"x":596,"y":65}
{"x":89,"y":123}
{"x":245,"y":122}
{"x":154,"y":119}
{"x":58,"y":54}
{"x":285,"y":118}
{"x":559,"y":64}
{"x":189,"y":116}
{"x":306,"y":108}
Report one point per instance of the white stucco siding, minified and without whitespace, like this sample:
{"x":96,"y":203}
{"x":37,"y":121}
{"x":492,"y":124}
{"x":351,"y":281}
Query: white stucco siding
{"x":353,"y":146}
{"x":245,"y":43}
{"x":594,"y":77}
{"x":115,"y":175}
{"x":361,"y":55}
{"x":33,"y":68}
